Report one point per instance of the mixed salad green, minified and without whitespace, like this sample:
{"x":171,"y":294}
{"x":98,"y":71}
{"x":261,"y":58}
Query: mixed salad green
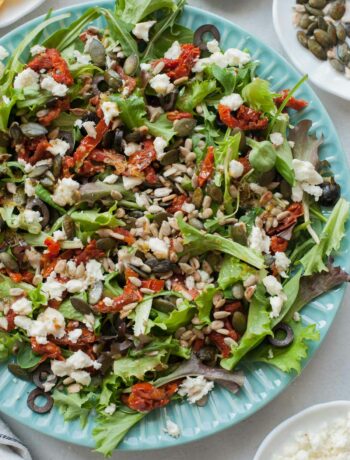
{"x":161,"y":219}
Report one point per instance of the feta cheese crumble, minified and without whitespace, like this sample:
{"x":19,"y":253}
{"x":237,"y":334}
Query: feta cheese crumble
{"x":22,"y":306}
{"x":159,"y":145}
{"x":213,"y":46}
{"x":174,"y":51}
{"x":131,"y":182}
{"x":231,"y":57}
{"x":235,"y":169}
{"x":51,"y":85}
{"x":195,"y":388}
{"x":278,"y":297}
{"x":73,"y":366}
{"x":37,"y":49}
{"x":172,"y":429}
{"x":28,"y":78}
{"x":158,"y":247}
{"x":161,"y":84}
{"x":66,"y":191}
{"x":277,"y":139}
{"x":233,"y":101}
{"x":110,"y":111}
{"x":58,"y":147}
{"x":282,"y":263}
{"x":259,"y":241}
{"x":90,"y":127}
{"x":308,"y":180}
{"x":32,"y":217}
{"x":141,"y":30}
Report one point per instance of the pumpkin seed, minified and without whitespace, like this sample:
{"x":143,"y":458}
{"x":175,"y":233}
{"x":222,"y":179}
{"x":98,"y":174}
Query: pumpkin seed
{"x":4,"y":139}
{"x":80,"y":305}
{"x":312,"y":27}
{"x":16,"y":132}
{"x":160,"y":266}
{"x":215,"y":193}
{"x":321,"y":23}
{"x":184,"y":127}
{"x":337,"y":10}
{"x":131,"y":64}
{"x":9,"y":261}
{"x":97,"y":52}
{"x":332,"y":33}
{"x":302,"y":38}
{"x":113,"y":79}
{"x":239,"y":322}
{"x":163,"y":305}
{"x":323,"y":38}
{"x":305,"y":21}
{"x":313,"y":11}
{"x":316,"y":49}
{"x":32,"y":130}
{"x":68,"y":227}
{"x":38,"y":171}
{"x":106,"y":244}
{"x":239,"y":233}
{"x":347,"y":28}
{"x":95,"y":293}
{"x":341,"y":32}
{"x":319,"y":4}
{"x":343,"y":52}
{"x":197,"y":197}
{"x":160,"y":217}
{"x":170,"y":157}
{"x":337,"y":65}
{"x":57,"y":166}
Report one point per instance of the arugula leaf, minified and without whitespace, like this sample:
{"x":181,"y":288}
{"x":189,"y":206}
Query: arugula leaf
{"x":132,"y":109}
{"x":204,"y":303}
{"x":330,"y":238}
{"x":162,"y":127}
{"x":134,"y":11}
{"x":194,"y":94}
{"x":93,"y":219}
{"x":7,"y":342}
{"x":110,"y":430}
{"x":197,"y":243}
{"x":289,"y":358}
{"x":284,"y":157}
{"x":26,"y":359}
{"x":128,"y":368}
{"x":73,"y":406}
{"x":226,"y":77}
{"x":259,"y":96}
{"x":233,"y":270}
{"x":111,"y":284}
{"x":120,"y":32}
{"x":258,"y":327}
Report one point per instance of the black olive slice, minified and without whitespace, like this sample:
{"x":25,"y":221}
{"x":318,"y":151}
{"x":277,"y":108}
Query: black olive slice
{"x":286,"y":340}
{"x":42,"y":375}
{"x":33,"y":395}
{"x":199,"y":33}
{"x":330,"y":193}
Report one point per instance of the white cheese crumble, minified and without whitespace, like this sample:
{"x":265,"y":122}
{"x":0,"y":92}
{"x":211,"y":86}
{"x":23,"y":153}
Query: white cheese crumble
{"x":53,"y":288}
{"x":3,"y":53}
{"x":90,"y":127}
{"x":259,"y":241}
{"x":235,"y":169}
{"x":158,"y":247}
{"x":3,"y":323}
{"x":51,"y":85}
{"x":272,"y":285}
{"x":145,"y":66}
{"x":66,"y":191}
{"x":22,"y":306}
{"x":74,"y":335}
{"x":28,"y":78}
{"x":308,"y":180}
{"x":330,"y":441}
{"x":282,"y":263}
{"x":195,"y":388}
{"x":31,"y":217}
{"x":111,"y":179}
{"x":233,"y":101}
{"x":141,"y":30}
{"x":58,"y":147}
{"x":278,"y":297}
{"x":131,"y":147}
{"x":81,"y":58}
{"x":29,"y":188}
{"x":131,"y":182}
{"x":172,"y":429}
{"x":37,"y":49}
{"x":174,"y":51}
{"x":159,"y":145}
{"x":213,"y":46}
{"x":231,"y":57}
{"x":161,"y":84}
{"x":110,"y":111}
{"x":73,"y":366}
{"x":277,"y":139}
{"x":110,"y":409}
{"x":49,"y":322}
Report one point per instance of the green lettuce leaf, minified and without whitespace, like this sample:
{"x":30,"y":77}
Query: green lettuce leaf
{"x":330,"y":238}
{"x":129,"y":368}
{"x":6,"y":284}
{"x":194,"y":94}
{"x":162,"y":127}
{"x":226,"y":77}
{"x":142,"y":312}
{"x":37,"y":298}
{"x":69,"y":312}
{"x":290,"y":358}
{"x":134,"y":11}
{"x":93,"y":219}
{"x":110,"y":430}
{"x":233,"y":270}
{"x":284,"y":158}
{"x":169,"y":344}
{"x":73,"y":406}
{"x":46,"y":197}
{"x":258,"y":327}
{"x":15,"y":221}
{"x":259,"y":96}
{"x":204,"y":303}
{"x":111,"y":284}
{"x":171,"y":322}
{"x":197,"y":243}
{"x":7,"y":342}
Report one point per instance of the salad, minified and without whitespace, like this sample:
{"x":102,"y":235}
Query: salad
{"x":161,"y":218}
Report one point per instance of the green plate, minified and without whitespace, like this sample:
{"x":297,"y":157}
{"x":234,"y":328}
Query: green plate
{"x":263,"y":383}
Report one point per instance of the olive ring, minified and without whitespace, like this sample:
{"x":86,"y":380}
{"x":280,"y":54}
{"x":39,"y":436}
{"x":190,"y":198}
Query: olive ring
{"x":199,"y":33}
{"x":33,"y":395}
{"x":285,"y":341}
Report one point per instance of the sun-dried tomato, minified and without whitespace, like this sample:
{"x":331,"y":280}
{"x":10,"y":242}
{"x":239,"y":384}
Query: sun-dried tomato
{"x":49,"y":349}
{"x":245,"y":118}
{"x":176,"y":115}
{"x":53,"y":247}
{"x":295,"y":211}
{"x":60,"y":106}
{"x":278,"y":244}
{"x":51,"y":60}
{"x":129,"y":82}
{"x":233,"y":306}
{"x":293,"y":103}
{"x":15,"y":277}
{"x":140,"y":160}
{"x":207,"y":167}
{"x":145,"y":397}
{"x":197,"y":345}
{"x":109,"y":157}
{"x":27,"y":277}
{"x":67,"y":165}
{"x":128,"y":237}
{"x":218,"y":340}
{"x":129,"y":272}
{"x":231,"y":332}
{"x":177,"y":204}
{"x":246,"y":164}
{"x":11,"y":315}
{"x":54,"y":303}
{"x":88,"y":144}
{"x":89,"y":252}
{"x":150,"y":175}
{"x":178,"y":285}
{"x":89,"y":169}
{"x":34,"y":150}
{"x":153,"y":284}
{"x":182,"y":66}
{"x":130,"y":294}
{"x":86,"y":338}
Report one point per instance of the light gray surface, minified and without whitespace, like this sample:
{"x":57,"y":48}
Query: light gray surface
{"x":327,"y":376}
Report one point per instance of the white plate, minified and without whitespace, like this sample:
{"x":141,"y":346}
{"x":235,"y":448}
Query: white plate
{"x":310,"y":419}
{"x":321,"y":73}
{"x":12,"y":10}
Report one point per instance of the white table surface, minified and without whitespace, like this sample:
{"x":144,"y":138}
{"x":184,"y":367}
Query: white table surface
{"x":325,"y":379}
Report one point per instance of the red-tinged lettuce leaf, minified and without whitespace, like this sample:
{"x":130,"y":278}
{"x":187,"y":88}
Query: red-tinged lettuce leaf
{"x":305,"y":145}
{"x":288,"y":359}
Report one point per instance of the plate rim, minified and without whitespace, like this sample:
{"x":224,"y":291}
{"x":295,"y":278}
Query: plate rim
{"x":258,"y":405}
{"x":279,"y":32}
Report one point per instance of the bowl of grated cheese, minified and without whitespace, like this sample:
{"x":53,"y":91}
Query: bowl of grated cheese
{"x":319,"y":432}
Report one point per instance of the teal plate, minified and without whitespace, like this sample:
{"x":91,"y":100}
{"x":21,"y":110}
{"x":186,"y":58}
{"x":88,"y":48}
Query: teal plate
{"x":263,"y":383}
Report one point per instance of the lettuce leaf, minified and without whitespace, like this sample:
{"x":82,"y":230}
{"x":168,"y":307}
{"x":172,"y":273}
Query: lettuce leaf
{"x":129,"y":368}
{"x":93,"y":219}
{"x":37,"y":298}
{"x":197,"y":243}
{"x":15,"y":221}
{"x":226,"y":77}
{"x":162,"y":127}
{"x":120,"y":32}
{"x":6,"y":284}
{"x":46,"y":197}
{"x":284,"y":158}
{"x":69,"y":312}
{"x":111,"y":284}
{"x":204,"y":303}
{"x":134,"y":11}
{"x":73,"y":406}
{"x":194,"y":94}
{"x":169,"y":344}
{"x":7,"y":342}
{"x":258,"y":327}
{"x":173,"y":321}
{"x":142,"y":312}
{"x":330,"y":238}
{"x":290,"y":358}
{"x":259,"y":96}
{"x":233,"y":270}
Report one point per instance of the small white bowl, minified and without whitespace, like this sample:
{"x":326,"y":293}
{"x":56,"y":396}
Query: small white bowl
{"x":310,"y":420}
{"x":12,"y":10}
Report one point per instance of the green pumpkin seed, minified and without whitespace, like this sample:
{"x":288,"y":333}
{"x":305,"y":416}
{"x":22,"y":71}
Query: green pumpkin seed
{"x":313,"y":11}
{"x":170,"y":157}
{"x":97,"y":52}
{"x":239,"y":233}
{"x":131,"y":64}
{"x":239,"y":322}
{"x":184,"y":127}
{"x":319,"y":4}
{"x":80,"y":305}
{"x":347,"y":28}
{"x":215,"y":193}
{"x":106,"y":244}
{"x":305,"y":21}
{"x":163,"y":305}
{"x":160,"y":217}
{"x":332,"y":33}
{"x":316,"y":49}
{"x":337,"y":65}
{"x":57,"y":166}
{"x":16,"y":132}
{"x":337,"y":10}
{"x":323,"y":38}
{"x":302,"y":38}
{"x":9,"y":261}
{"x":343,"y":52}
{"x":341,"y":33}
{"x":68,"y":227}
{"x":321,"y":23}
{"x":113,"y":79}
{"x":312,"y":27}
{"x":33,"y":130}
{"x":197,"y":197}
{"x":38,"y":171}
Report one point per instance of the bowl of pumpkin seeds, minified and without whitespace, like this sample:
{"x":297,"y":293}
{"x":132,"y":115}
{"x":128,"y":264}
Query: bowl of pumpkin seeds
{"x":315,"y":34}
